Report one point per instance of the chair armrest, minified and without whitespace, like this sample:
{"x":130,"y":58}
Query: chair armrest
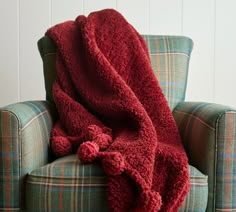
{"x":208,"y":132}
{"x":24,"y":145}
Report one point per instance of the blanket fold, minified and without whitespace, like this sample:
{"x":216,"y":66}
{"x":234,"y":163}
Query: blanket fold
{"x":112,"y":108}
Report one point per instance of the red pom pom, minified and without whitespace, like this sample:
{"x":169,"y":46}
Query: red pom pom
{"x":149,"y":201}
{"x":87,"y":151}
{"x":107,"y":130}
{"x":93,"y":131}
{"x":103,"y":140}
{"x":61,"y":146}
{"x":113,"y":163}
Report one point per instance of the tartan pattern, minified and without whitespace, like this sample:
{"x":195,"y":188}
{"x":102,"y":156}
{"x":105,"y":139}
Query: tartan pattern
{"x":28,"y":125}
{"x":24,"y":135}
{"x":68,"y":183}
{"x":196,"y":200}
{"x":208,"y":132}
{"x":170,"y":60}
{"x":82,"y":187}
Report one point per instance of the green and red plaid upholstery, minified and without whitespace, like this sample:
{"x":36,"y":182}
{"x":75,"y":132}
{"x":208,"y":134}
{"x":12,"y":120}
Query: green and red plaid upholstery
{"x":196,"y":200}
{"x":170,"y":60}
{"x":29,"y":181}
{"x":68,"y":183}
{"x":82,"y":187}
{"x":24,"y":135}
{"x":208,"y":132}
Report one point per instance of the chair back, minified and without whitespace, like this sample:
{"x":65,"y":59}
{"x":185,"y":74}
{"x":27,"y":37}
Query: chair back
{"x":169,"y":57}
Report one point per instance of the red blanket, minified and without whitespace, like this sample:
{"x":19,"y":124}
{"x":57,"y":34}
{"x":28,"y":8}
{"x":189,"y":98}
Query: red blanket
{"x":110,"y":102}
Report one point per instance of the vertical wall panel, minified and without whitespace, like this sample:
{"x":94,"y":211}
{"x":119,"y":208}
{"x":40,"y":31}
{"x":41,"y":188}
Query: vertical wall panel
{"x":225,"y":59}
{"x":209,"y":23}
{"x":91,"y":5}
{"x":66,"y":10}
{"x":198,"y":23}
{"x":34,"y":21}
{"x":165,"y":17}
{"x":9,"y":73}
{"x":136,"y":12}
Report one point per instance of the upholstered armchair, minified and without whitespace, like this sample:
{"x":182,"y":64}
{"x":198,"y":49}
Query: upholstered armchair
{"x":32,"y":179}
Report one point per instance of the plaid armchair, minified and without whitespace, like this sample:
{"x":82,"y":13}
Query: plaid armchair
{"x":31,"y":179}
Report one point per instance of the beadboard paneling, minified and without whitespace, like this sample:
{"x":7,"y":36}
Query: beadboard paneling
{"x":198,"y":23}
{"x":210,"y":23}
{"x":165,"y":17}
{"x":32,"y":26}
{"x":136,"y":12}
{"x":91,"y":5}
{"x":225,"y":59}
{"x":65,"y":10}
{"x":9,"y":54}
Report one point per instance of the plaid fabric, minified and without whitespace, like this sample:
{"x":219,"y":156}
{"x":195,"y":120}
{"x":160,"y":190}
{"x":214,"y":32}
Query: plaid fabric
{"x":82,"y":187}
{"x":169,"y":56}
{"x":69,"y":184}
{"x":24,"y":135}
{"x":25,"y":128}
{"x":209,"y":135}
{"x":196,"y":200}
{"x":170,"y":59}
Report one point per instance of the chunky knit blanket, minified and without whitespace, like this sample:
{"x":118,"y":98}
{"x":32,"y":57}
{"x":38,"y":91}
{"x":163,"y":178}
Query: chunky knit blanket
{"x":112,"y":109}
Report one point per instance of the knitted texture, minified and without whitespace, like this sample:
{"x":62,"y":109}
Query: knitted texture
{"x":109,"y":100}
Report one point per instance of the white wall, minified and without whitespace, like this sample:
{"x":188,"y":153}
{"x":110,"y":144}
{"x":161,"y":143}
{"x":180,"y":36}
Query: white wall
{"x":210,"y":23}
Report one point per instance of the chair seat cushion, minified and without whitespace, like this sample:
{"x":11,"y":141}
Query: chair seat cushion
{"x":68,"y":185}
